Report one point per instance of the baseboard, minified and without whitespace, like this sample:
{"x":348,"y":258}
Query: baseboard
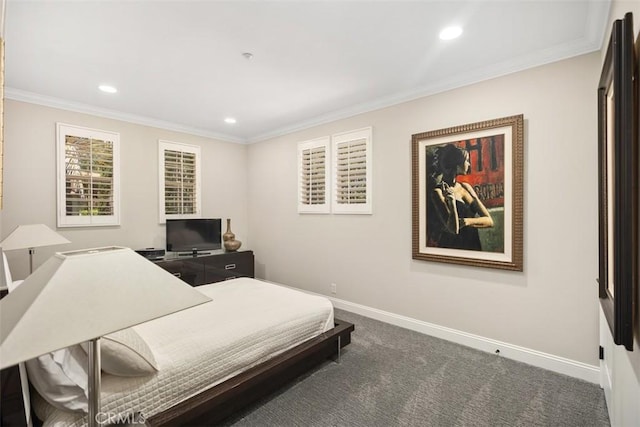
{"x":547,"y":361}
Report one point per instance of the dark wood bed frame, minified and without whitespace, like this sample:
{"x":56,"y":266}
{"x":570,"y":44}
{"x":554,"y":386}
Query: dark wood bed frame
{"x":219,"y":402}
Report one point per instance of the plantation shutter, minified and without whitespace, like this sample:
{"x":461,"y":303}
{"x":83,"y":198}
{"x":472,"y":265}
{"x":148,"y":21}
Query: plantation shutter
{"x":179,"y":181}
{"x":352,"y":172}
{"x":313,"y":176}
{"x":88,"y":177}
{"x":313,"y":185}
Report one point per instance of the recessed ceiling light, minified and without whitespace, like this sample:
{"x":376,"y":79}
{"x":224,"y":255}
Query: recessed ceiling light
{"x":230,"y":120}
{"x":107,"y":89}
{"x":247,"y":55}
{"x":450,"y":33}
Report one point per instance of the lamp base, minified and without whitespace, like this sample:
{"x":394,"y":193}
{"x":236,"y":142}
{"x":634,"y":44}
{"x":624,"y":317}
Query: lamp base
{"x":31,"y":252}
{"x":94,"y":381}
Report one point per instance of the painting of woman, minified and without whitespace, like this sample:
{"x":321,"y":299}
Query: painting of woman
{"x":454,"y":210}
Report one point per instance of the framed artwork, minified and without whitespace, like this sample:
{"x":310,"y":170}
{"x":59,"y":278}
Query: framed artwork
{"x":467,"y":186}
{"x":618,"y":183}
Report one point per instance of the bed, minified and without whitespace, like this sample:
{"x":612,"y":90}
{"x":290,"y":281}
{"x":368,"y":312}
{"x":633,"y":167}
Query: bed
{"x":213,"y":359}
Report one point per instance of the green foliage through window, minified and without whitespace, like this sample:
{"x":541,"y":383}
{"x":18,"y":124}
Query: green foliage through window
{"x":89,"y":176}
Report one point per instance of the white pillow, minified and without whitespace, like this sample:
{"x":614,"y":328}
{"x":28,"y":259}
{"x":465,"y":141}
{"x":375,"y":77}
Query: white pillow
{"x":126,"y":354}
{"x":61,"y":378}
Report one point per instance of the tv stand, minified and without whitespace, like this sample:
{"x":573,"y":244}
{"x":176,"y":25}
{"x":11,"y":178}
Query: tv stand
{"x":201,"y":268}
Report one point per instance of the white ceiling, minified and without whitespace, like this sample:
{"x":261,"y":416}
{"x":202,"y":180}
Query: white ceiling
{"x":179,"y":64}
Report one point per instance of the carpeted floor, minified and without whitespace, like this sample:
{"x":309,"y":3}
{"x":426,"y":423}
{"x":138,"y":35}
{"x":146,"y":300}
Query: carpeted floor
{"x":389,"y":376}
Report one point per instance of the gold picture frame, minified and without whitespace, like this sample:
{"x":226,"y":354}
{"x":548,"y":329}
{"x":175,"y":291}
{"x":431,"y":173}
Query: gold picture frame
{"x":467,"y":187}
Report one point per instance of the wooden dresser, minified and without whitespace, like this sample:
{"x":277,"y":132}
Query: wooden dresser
{"x":216,"y":267}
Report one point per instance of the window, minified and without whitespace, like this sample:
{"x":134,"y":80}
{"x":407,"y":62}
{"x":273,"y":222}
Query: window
{"x":351,"y":164}
{"x":180,"y":184}
{"x":88,"y":176}
{"x":313,"y":176}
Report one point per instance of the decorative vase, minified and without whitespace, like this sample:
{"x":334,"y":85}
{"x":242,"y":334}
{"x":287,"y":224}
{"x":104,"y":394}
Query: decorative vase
{"x":230,"y":242}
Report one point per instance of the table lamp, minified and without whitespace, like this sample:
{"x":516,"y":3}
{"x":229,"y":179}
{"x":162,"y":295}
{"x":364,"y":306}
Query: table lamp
{"x":32,"y":236}
{"x":84,"y":295}
{"x":5,"y":277}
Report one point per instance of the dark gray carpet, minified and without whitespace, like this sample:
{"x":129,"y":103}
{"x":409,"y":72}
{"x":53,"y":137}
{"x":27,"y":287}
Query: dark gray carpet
{"x":389,"y":376}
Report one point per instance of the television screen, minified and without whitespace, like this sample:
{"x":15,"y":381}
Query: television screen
{"x":193,"y":235}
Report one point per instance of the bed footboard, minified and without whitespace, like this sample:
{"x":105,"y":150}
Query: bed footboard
{"x":222,"y":400}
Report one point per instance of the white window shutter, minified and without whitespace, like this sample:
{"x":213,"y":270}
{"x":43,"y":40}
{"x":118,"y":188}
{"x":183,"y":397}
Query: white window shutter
{"x":88,"y":183}
{"x":180,"y":184}
{"x":352,"y":172}
{"x":313,"y":176}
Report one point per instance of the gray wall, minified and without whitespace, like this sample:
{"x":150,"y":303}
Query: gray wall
{"x":551,"y":307}
{"x":30,"y":177}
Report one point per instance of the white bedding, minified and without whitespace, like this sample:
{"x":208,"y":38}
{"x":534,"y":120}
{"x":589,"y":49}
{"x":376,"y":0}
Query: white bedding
{"x":247,"y":322}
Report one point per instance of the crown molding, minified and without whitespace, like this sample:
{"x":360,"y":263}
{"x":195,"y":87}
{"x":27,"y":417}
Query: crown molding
{"x":48,"y":101}
{"x":594,"y":34}
{"x":467,"y":79}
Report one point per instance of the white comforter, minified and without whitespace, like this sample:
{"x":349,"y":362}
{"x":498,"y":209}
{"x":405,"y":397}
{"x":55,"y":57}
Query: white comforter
{"x":247,"y":322}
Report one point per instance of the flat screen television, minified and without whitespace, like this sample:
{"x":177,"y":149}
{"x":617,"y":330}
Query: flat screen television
{"x":194,"y":235}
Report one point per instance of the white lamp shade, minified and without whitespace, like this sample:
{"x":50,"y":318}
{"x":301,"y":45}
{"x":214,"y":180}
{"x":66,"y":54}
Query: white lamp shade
{"x":77,"y":296}
{"x":32,"y":236}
